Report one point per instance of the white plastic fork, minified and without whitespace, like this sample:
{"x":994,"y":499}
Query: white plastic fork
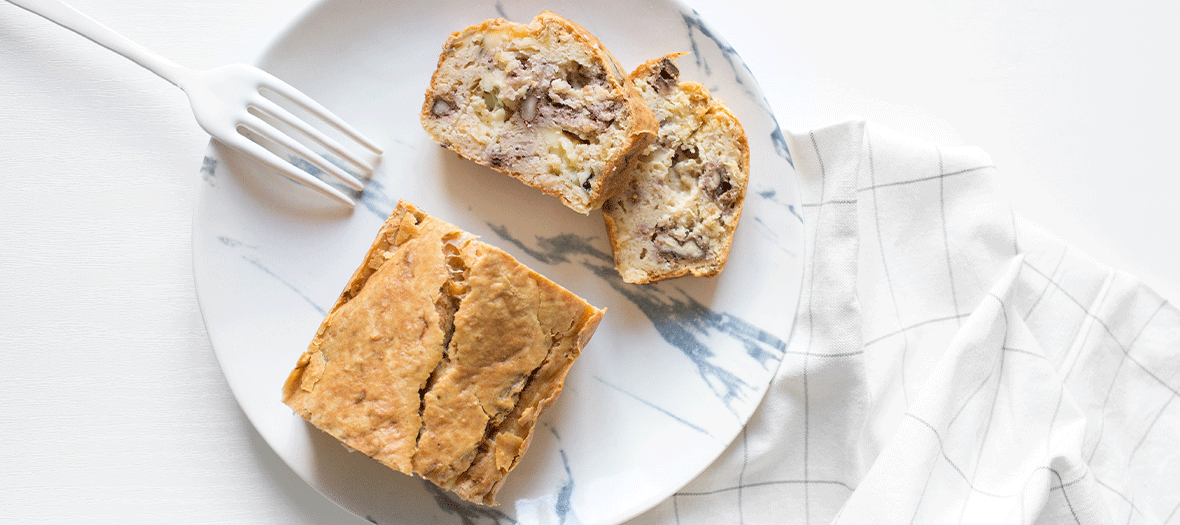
{"x":222,"y":100}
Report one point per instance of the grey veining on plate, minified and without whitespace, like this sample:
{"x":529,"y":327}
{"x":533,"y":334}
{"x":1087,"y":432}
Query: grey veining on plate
{"x":680,"y":319}
{"x":696,"y":26}
{"x":254,"y":261}
{"x":377,"y":201}
{"x":767,"y":231}
{"x":474,"y":514}
{"x":772,"y":195}
{"x":664,"y":411}
{"x":468,"y":513}
{"x":209,"y":170}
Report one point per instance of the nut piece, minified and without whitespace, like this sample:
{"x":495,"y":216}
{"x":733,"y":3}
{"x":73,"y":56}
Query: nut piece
{"x":668,"y":75}
{"x":442,"y":107}
{"x":528,"y":108}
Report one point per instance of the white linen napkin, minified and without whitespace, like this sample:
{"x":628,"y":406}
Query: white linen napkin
{"x":950,"y":363}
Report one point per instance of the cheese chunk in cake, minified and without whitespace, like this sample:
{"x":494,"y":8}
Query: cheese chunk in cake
{"x":440,"y":355}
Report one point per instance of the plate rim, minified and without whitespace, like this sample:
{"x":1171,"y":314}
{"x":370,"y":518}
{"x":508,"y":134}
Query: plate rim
{"x":300,"y":18}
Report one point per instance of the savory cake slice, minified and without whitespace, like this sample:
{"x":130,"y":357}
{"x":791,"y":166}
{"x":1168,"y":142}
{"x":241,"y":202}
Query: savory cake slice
{"x":679,"y":212}
{"x":544,"y":102}
{"x":440,"y":355}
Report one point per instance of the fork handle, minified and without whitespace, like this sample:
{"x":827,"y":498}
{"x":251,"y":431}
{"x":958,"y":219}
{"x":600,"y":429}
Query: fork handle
{"x":69,"y":18}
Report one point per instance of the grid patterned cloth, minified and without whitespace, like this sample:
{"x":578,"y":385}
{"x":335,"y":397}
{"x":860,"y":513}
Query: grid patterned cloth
{"x":951,"y":363}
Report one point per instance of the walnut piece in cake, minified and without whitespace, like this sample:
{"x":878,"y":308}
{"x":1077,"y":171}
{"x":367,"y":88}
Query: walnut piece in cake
{"x":440,"y":355}
{"x":544,"y":102}
{"x":679,"y":212}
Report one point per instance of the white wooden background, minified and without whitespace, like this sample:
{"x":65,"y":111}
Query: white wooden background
{"x":112,"y":406}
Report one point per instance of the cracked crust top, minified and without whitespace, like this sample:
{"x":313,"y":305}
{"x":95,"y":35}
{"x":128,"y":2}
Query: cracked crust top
{"x":440,"y":355}
{"x":544,"y":102}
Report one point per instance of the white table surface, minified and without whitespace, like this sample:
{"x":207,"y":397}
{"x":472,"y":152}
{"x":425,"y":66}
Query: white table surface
{"x":112,"y":406}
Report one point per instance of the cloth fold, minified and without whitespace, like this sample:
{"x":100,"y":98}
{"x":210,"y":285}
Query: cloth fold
{"x":950,"y":362}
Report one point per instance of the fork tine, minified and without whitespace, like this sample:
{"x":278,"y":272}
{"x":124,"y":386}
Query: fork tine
{"x":265,"y":129}
{"x":284,"y":89}
{"x":253,"y":149}
{"x":286,"y":117}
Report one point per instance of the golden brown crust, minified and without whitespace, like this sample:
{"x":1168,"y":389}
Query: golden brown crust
{"x":678,"y":215}
{"x":483,"y":119}
{"x":439,"y":356}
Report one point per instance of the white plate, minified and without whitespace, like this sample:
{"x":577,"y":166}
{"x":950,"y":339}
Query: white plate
{"x":673,"y":372}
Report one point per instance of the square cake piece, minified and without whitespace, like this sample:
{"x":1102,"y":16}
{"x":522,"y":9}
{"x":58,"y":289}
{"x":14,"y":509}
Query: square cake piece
{"x":440,"y":355}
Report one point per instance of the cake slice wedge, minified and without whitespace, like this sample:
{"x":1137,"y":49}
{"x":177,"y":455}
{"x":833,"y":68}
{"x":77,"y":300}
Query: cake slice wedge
{"x":440,"y":355}
{"x":678,"y":214}
{"x":544,"y":102}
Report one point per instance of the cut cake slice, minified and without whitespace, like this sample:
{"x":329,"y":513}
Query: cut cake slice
{"x":544,"y":102}
{"x":679,"y":212}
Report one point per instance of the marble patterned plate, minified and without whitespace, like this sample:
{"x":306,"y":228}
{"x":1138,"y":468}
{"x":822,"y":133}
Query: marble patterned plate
{"x":675,"y":369}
